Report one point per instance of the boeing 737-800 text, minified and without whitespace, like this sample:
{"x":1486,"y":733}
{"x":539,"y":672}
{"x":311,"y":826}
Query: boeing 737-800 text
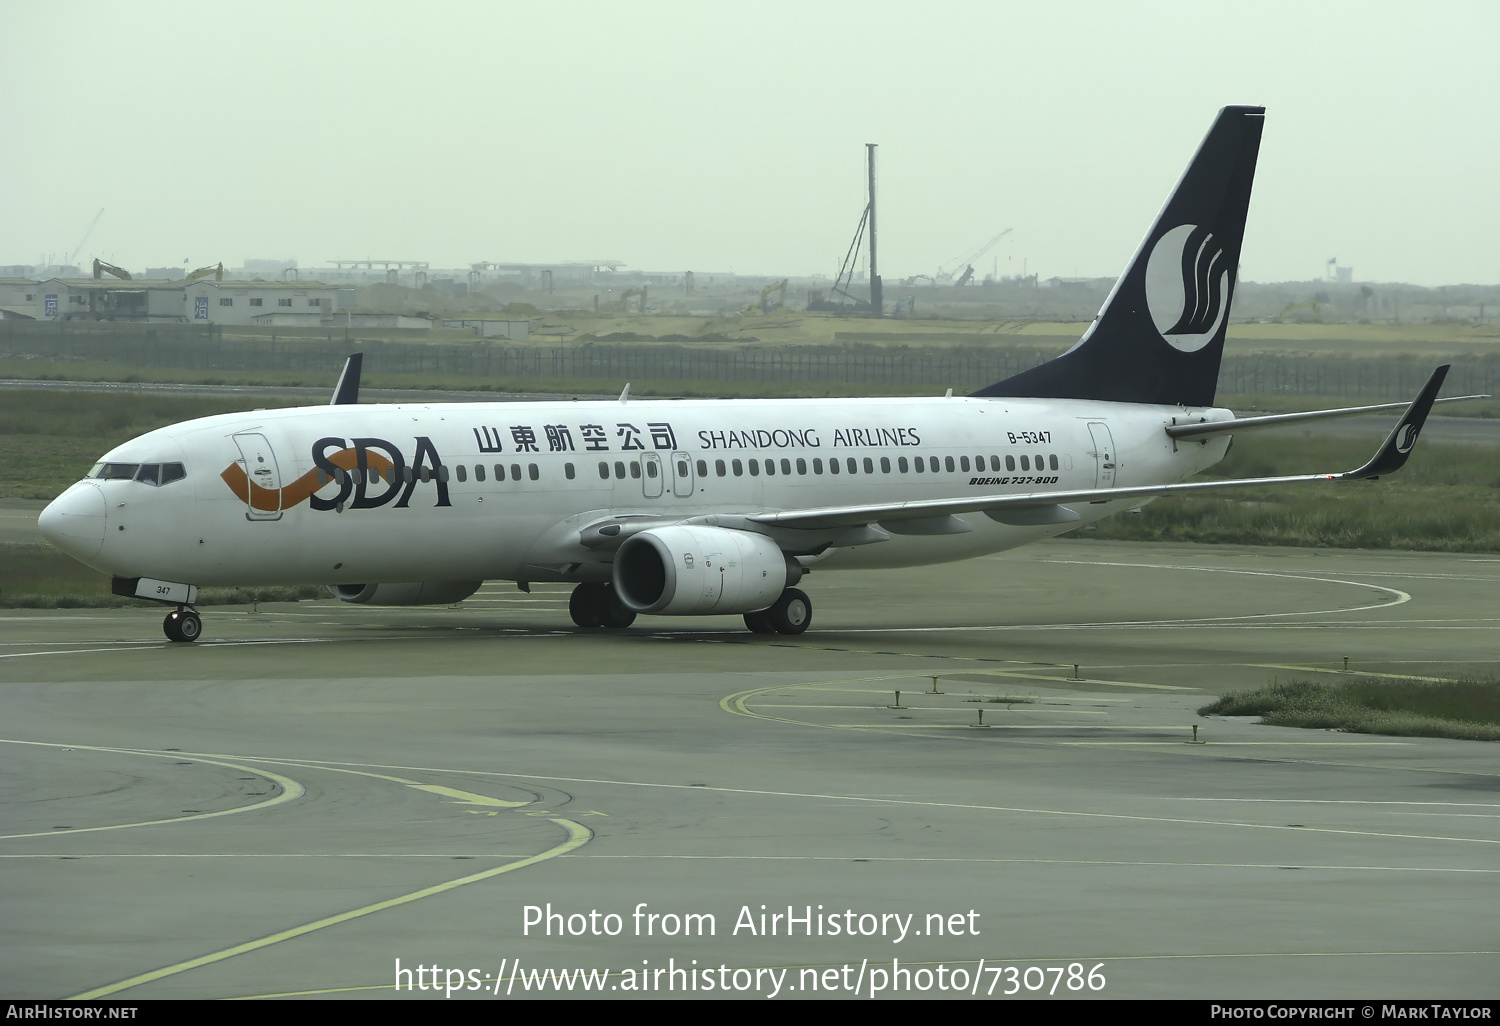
{"x":705,"y":506}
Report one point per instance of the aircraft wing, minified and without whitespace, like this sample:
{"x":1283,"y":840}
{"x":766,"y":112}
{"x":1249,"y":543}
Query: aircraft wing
{"x":1051,"y":507}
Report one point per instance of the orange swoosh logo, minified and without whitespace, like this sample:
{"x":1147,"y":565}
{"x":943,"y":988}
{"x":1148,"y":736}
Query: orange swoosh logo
{"x":270,"y":500}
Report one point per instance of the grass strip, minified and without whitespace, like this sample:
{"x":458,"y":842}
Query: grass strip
{"x":1466,"y":709}
{"x":1443,"y":500}
{"x":37,"y":576}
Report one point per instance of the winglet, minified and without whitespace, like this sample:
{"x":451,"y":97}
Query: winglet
{"x":346,"y":392}
{"x":1393,"y":454}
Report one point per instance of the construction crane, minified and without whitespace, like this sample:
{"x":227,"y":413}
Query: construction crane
{"x":951,"y":269}
{"x":79,"y":248}
{"x":100,"y":267}
{"x":217,"y":270}
{"x":845,"y":278}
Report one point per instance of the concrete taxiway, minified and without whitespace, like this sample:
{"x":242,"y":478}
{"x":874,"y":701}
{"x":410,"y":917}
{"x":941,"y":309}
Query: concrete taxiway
{"x":315,"y":791}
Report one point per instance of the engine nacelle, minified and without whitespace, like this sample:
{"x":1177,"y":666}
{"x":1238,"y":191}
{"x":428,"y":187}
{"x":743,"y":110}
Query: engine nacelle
{"x":420,"y":593}
{"x":688,"y":570}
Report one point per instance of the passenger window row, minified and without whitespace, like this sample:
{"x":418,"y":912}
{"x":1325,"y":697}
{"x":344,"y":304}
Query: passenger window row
{"x":619,"y":470}
{"x":164,"y":473}
{"x":532,"y":471}
{"x":902,"y":464}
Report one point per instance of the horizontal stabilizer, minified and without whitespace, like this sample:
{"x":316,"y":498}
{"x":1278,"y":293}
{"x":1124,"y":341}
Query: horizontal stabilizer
{"x":1229,"y":427}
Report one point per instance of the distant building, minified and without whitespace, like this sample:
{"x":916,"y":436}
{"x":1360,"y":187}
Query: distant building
{"x":515,"y":331}
{"x":205,"y":301}
{"x":302,"y":304}
{"x":17,"y":296}
{"x":374,"y":320}
{"x":62,"y":299}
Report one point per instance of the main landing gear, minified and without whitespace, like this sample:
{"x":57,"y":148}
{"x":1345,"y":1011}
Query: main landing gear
{"x":789,"y":614}
{"x":597,"y":605}
{"x":182,"y":625}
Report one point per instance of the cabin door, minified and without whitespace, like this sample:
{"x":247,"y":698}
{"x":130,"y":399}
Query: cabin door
{"x":652,"y":475}
{"x":263,"y":488}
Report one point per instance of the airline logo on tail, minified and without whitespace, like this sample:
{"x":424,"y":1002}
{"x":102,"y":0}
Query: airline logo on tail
{"x":1187,"y":287}
{"x":1407,"y":437}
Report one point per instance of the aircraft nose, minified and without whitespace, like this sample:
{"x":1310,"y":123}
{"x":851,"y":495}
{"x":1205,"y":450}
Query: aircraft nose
{"x":74,"y":521}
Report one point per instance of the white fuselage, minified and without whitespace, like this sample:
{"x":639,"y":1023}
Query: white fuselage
{"x":510,"y":485}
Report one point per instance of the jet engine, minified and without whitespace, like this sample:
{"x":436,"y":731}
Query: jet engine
{"x":421,"y":593}
{"x":685,"y":570}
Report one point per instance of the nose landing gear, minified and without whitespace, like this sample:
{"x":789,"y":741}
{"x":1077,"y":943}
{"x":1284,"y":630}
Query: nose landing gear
{"x":183,"y":624}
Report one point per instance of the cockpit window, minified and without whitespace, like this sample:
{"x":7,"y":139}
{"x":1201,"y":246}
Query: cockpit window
{"x":154,"y":474}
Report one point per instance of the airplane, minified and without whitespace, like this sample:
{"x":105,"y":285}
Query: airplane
{"x":698,"y":507}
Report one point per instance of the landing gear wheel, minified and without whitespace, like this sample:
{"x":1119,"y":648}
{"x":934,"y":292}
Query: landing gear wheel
{"x":182,"y":625}
{"x":613,"y":612}
{"x":759,"y":622}
{"x":587,"y":604}
{"x":190,"y":626}
{"x":791,"y":613}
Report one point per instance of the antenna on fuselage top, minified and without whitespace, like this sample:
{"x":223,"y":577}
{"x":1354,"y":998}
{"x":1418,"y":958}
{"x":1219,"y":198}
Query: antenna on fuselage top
{"x":346,"y":392}
{"x":625,"y":393}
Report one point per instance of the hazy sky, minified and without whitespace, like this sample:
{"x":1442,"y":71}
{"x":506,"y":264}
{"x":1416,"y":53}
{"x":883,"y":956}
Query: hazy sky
{"x":729,"y":136}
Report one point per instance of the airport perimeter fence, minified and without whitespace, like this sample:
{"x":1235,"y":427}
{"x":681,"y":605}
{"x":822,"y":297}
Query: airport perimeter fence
{"x":206,"y":349}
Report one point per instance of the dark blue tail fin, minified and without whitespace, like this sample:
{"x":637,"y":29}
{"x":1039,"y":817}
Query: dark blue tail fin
{"x":1160,"y":334}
